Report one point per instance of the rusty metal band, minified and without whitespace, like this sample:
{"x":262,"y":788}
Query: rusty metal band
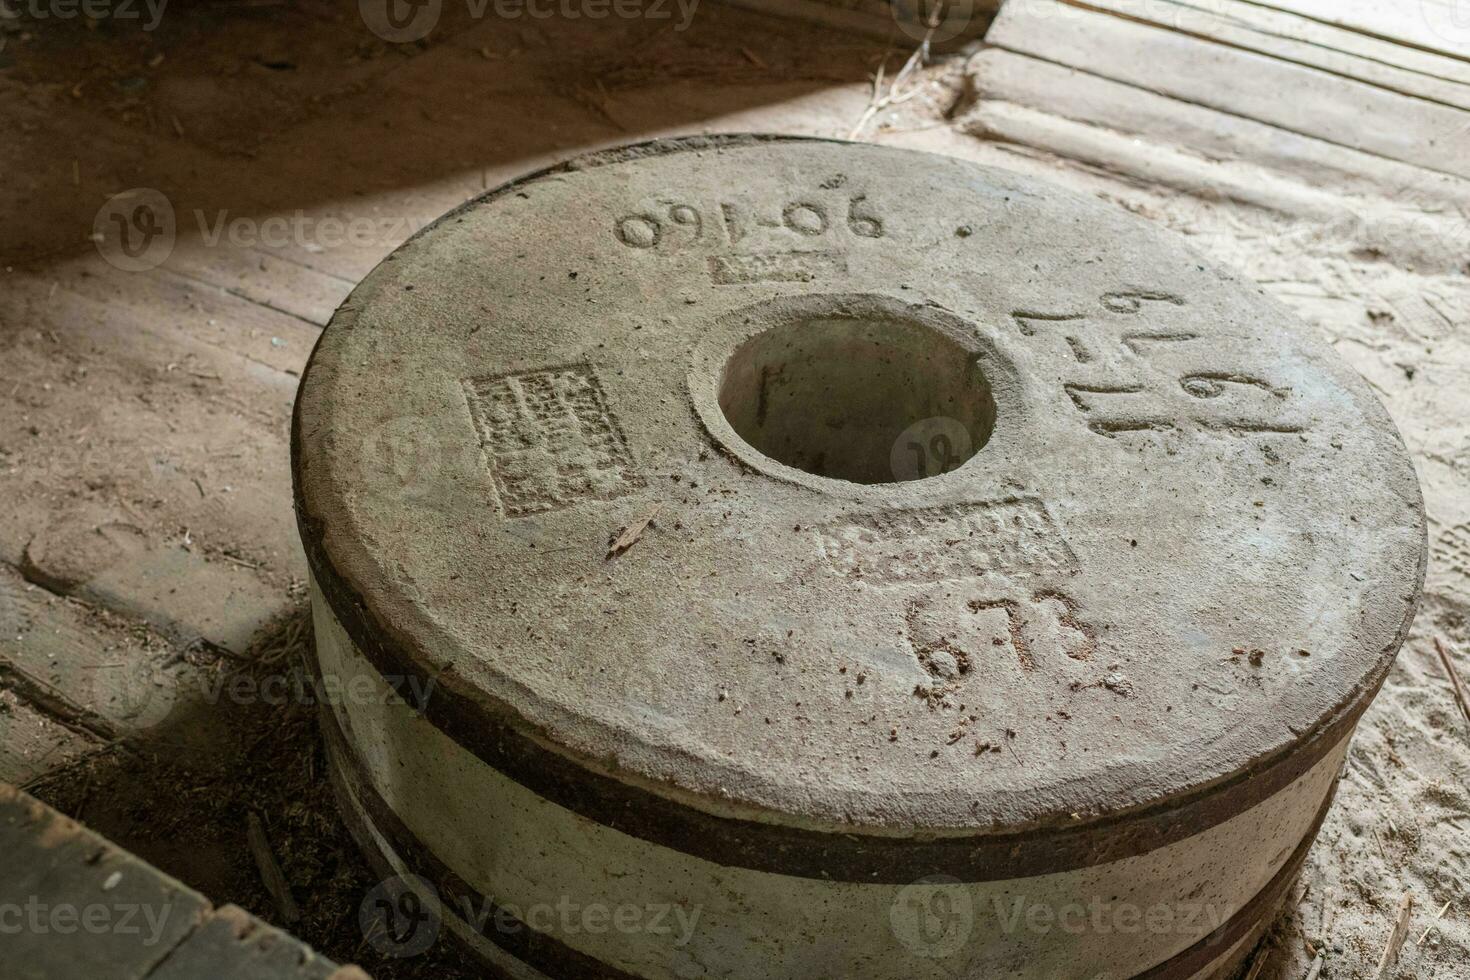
{"x":366,"y":812}
{"x":798,"y":851}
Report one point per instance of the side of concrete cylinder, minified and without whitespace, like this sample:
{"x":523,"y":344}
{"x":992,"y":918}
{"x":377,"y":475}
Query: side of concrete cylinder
{"x":508,"y":865}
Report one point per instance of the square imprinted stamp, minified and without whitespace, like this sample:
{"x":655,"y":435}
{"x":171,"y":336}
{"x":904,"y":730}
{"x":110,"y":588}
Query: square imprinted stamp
{"x":550,"y":439}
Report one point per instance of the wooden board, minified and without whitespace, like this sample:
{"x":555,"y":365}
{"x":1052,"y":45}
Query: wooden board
{"x":260,"y":277}
{"x":90,"y":909}
{"x":1450,"y":62}
{"x":1434,"y":25}
{"x":1303,"y":42}
{"x":1132,"y":129}
{"x":892,"y":20}
{"x":1206,"y":71}
{"x":231,"y":944}
{"x":32,"y":742}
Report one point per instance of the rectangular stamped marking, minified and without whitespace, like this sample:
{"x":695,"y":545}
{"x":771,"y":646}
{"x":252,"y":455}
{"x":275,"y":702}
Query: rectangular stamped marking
{"x":731,"y":270}
{"x":1013,"y":537}
{"x":550,"y":439}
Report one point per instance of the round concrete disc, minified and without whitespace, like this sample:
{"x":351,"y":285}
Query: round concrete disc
{"x":848,"y":487}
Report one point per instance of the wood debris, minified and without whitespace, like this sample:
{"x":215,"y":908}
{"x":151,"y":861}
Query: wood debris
{"x":895,"y":94}
{"x":1258,"y":962}
{"x":630,"y":534}
{"x":1449,"y":668}
{"x":1379,"y":841}
{"x":1432,"y":923}
{"x":270,"y":871}
{"x":1395,"y":937}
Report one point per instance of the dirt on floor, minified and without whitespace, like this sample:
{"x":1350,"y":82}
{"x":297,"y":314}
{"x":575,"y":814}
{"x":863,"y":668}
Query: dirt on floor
{"x":185,"y":807}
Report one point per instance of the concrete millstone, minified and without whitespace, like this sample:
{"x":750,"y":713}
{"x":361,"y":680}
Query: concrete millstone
{"x":762,"y":526}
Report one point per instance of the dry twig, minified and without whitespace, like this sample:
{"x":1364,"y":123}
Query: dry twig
{"x":1449,"y":668}
{"x":1258,"y":963}
{"x":1396,"y":937}
{"x":895,"y":96}
{"x":1432,"y":923}
{"x":270,"y":871}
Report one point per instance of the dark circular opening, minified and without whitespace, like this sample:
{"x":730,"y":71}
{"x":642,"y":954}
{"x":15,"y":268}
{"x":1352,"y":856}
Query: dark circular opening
{"x":863,"y":399}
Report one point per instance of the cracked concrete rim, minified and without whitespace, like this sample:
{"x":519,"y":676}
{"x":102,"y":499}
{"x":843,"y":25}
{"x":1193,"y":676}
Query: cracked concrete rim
{"x":1185,"y":551}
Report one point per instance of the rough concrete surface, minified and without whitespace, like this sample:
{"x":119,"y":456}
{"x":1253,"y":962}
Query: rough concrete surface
{"x":1187,"y":539}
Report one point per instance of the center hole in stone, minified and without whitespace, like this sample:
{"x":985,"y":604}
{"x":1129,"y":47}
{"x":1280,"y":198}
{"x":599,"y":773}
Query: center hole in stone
{"x":867,"y":400}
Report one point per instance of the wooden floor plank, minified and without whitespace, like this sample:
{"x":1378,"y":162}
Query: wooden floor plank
{"x":33,"y":743}
{"x":259,"y":277}
{"x":1211,"y":136}
{"x":1244,"y":83}
{"x":1433,"y":25}
{"x":201,"y":310}
{"x":1267,"y":20}
{"x":125,"y":919}
{"x":879,"y":18}
{"x":148,"y":458}
{"x":107,"y":671}
{"x":233,"y":945}
{"x":1203,"y":20}
{"x":1034,"y":103}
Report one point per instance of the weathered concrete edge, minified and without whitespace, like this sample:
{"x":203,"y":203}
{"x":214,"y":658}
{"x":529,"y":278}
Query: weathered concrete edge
{"x":370,"y":818}
{"x":701,"y":827}
{"x":827,"y":856}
